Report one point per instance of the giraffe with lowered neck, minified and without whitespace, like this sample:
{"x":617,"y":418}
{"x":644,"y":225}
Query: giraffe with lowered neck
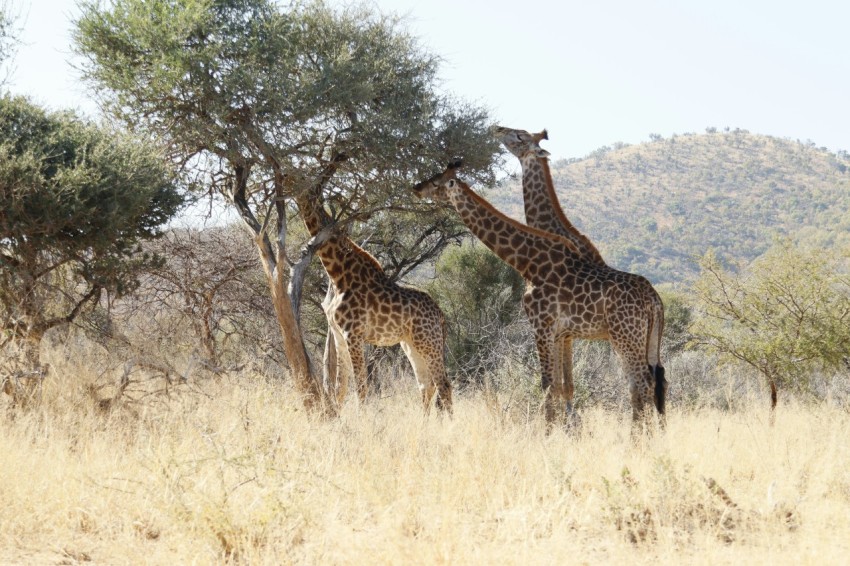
{"x":368,"y":308}
{"x":568,"y":296}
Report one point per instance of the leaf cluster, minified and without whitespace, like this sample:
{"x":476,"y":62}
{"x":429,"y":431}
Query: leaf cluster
{"x":8,"y":33}
{"x":75,"y":197}
{"x":787,"y":314}
{"x":247,"y":82}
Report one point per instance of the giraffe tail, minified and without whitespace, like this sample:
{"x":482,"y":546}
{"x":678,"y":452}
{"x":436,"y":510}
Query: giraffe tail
{"x":656,"y":330}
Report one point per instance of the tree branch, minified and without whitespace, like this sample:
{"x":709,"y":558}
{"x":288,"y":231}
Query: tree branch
{"x":93,"y":295}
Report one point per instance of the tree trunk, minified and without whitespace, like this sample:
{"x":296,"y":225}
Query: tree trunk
{"x":274,"y":261}
{"x":21,"y":373}
{"x":294,"y":348}
{"x":207,"y":334}
{"x":773,"y":399}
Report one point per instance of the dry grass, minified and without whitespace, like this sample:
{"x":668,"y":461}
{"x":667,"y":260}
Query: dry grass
{"x":233,"y":470}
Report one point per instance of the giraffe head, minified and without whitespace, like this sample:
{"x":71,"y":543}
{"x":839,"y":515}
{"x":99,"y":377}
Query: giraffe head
{"x":436,"y":187}
{"x":521,"y":143}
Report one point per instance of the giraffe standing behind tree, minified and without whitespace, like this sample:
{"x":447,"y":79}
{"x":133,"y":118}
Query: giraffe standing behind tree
{"x":368,"y":308}
{"x":568,"y":295}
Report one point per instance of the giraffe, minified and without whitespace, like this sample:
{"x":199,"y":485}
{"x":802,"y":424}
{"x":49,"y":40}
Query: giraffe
{"x":568,"y":295}
{"x":543,"y":211}
{"x":368,"y":308}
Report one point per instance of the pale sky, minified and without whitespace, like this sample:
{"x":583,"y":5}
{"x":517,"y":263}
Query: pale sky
{"x":593,"y":73}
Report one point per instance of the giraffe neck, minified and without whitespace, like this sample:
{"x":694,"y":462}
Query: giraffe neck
{"x":345,"y":262}
{"x":528,"y":250}
{"x":543,"y":211}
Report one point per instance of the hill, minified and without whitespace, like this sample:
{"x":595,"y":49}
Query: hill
{"x":656,"y":207}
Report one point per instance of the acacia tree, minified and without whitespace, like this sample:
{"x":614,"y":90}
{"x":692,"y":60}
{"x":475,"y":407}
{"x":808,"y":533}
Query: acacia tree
{"x":481,"y":296}
{"x":787,"y":314}
{"x":75,"y":202}
{"x":267,"y":103}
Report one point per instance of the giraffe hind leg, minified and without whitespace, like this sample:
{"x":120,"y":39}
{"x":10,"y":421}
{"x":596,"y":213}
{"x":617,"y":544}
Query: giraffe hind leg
{"x":642,"y":389}
{"x":444,"y":386}
{"x":426,"y":384}
{"x":630,"y":348}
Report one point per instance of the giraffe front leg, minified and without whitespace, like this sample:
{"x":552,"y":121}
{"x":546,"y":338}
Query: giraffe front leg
{"x":330,"y":364}
{"x":344,"y":369}
{"x":330,"y":357}
{"x":572,"y":417}
{"x":358,"y":364}
{"x":550,"y":374}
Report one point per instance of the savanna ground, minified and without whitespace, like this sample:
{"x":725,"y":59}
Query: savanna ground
{"x":232,"y":469}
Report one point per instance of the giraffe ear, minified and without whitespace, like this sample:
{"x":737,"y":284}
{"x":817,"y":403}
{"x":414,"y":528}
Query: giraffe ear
{"x":541,"y":153}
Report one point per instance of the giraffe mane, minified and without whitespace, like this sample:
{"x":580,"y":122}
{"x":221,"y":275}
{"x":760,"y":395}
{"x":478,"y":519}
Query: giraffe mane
{"x":365,"y":255}
{"x":559,"y":212}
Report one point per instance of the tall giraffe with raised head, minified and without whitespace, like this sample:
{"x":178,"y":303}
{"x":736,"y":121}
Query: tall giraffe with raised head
{"x":544,"y":211}
{"x":368,"y":308}
{"x":568,"y":296}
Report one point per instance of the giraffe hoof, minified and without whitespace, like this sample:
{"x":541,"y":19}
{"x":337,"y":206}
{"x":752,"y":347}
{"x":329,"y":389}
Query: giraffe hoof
{"x":572,"y":422}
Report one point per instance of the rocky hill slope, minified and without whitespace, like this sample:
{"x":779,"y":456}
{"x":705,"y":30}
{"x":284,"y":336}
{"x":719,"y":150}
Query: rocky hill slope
{"x":656,"y":207}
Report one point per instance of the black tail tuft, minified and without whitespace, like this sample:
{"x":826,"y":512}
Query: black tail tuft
{"x":660,"y":387}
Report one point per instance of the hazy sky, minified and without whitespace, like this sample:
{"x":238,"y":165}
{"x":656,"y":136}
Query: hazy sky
{"x":593,"y":73}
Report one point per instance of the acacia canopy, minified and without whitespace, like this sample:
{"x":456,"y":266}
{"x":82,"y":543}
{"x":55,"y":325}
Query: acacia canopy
{"x":75,"y":201}
{"x":787,"y":314}
{"x":253,"y":84}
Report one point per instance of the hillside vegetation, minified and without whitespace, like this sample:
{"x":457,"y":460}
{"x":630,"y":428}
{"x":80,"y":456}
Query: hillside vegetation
{"x":654,"y":208}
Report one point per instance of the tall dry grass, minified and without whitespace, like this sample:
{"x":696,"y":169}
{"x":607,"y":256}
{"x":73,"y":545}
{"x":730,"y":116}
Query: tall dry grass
{"x":233,"y":470}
